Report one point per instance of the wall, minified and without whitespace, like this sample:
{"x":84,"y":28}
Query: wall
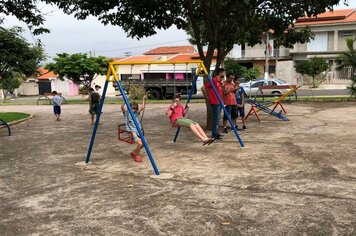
{"x":285,"y":71}
{"x":60,"y":86}
{"x":28,"y":89}
{"x":100,"y":80}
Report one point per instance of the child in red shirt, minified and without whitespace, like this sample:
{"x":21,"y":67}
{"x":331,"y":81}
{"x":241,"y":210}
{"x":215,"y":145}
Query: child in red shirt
{"x":176,"y":112}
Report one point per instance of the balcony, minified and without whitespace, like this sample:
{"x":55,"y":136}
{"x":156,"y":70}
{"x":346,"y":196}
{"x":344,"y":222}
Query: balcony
{"x":259,"y":54}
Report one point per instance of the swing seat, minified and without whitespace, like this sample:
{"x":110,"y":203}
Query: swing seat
{"x":124,"y":135}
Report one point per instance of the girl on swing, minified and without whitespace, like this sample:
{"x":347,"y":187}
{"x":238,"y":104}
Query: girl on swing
{"x":176,"y":112}
{"x":130,"y":126}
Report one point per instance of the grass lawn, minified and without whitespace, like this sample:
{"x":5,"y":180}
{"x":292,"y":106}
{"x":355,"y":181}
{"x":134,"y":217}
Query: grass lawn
{"x":12,"y":116}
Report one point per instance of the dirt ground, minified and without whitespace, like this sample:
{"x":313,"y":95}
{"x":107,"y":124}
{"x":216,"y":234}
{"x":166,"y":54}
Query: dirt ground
{"x":291,"y":178}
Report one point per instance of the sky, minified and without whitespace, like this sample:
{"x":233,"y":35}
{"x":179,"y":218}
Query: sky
{"x":90,"y":36}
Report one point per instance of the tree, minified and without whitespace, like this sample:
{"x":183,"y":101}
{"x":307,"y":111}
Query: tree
{"x":233,"y":67}
{"x":25,"y":11}
{"x":11,"y":81}
{"x":17,"y":56}
{"x":313,"y":67}
{"x":348,"y":59}
{"x":218,"y":25}
{"x":78,"y":67}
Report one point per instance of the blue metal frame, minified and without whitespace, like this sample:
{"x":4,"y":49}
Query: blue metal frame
{"x":98,"y":115}
{"x":194,"y":85}
{"x":137,"y":127}
{"x":133,"y":118}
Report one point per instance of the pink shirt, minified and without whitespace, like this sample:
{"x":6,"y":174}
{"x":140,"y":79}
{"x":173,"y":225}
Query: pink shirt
{"x":176,"y":113}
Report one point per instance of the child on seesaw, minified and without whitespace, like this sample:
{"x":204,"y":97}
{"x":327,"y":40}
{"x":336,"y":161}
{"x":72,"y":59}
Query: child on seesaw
{"x":130,"y":126}
{"x":176,"y":112}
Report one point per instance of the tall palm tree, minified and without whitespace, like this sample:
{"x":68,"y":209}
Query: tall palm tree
{"x":348,"y":58}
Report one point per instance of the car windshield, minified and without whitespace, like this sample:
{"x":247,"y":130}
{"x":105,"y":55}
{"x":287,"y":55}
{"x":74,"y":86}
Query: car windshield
{"x":281,"y":81}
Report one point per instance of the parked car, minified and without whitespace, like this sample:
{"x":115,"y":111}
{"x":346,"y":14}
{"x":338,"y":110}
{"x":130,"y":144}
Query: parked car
{"x":252,"y":87}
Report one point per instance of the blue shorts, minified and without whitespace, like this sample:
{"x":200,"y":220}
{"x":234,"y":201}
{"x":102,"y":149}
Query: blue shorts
{"x":232,"y":110}
{"x":57,"y":110}
{"x":241,"y":111}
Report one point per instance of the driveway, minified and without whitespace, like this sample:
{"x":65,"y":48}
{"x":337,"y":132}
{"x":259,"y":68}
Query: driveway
{"x":291,"y":178}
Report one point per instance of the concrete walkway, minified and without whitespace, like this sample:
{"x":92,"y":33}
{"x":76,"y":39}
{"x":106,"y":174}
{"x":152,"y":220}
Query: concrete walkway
{"x":291,"y":178}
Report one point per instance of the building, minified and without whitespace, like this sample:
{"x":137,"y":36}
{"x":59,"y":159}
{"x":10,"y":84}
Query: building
{"x":46,"y":82}
{"x":330,"y":31}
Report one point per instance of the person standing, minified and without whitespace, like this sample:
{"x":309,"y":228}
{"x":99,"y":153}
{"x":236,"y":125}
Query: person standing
{"x":229,"y":91}
{"x":94,"y":99}
{"x":214,"y":101}
{"x":240,"y":100}
{"x":57,"y":101}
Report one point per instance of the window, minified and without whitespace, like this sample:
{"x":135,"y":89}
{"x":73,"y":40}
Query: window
{"x":319,"y":44}
{"x":346,"y":33}
{"x":130,"y":76}
{"x":257,"y":84}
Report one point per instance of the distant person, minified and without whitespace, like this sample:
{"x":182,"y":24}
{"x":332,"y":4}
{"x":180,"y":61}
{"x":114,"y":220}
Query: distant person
{"x":94,"y":99}
{"x":98,"y":89}
{"x":240,"y":100}
{"x":229,"y":90}
{"x":176,"y":112}
{"x":214,"y":102}
{"x":130,"y":126}
{"x":57,"y":101}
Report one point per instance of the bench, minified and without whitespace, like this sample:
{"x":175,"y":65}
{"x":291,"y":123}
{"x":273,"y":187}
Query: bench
{"x":46,"y":96}
{"x":5,"y":125}
{"x":278,"y":88}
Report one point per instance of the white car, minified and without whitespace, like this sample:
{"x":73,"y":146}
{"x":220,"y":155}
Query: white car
{"x":252,"y":87}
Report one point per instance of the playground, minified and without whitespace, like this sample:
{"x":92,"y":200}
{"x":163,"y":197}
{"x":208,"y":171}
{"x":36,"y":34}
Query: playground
{"x":293,"y":177}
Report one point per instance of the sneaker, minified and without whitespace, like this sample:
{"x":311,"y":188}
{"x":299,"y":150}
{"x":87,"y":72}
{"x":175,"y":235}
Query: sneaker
{"x":136,"y":157}
{"x":244,"y":127}
{"x":225,"y":130}
{"x":216,"y":137}
{"x":220,"y":135}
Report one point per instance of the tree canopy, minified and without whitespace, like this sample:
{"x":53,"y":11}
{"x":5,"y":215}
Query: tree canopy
{"x":17,"y":55}
{"x":218,"y":25}
{"x":78,"y":67}
{"x":25,"y":11}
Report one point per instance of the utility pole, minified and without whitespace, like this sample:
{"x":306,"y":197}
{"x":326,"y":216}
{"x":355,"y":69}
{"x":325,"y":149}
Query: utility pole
{"x":267,"y":56}
{"x":127,"y":54}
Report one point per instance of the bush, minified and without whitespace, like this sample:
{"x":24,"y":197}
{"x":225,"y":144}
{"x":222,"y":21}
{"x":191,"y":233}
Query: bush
{"x":136,"y":92}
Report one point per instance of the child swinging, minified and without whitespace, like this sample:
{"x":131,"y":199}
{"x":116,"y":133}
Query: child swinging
{"x":176,"y":113}
{"x":130,"y":126}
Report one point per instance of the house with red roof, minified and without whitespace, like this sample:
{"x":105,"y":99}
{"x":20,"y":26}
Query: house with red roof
{"x":46,"y":81}
{"x":330,"y":31}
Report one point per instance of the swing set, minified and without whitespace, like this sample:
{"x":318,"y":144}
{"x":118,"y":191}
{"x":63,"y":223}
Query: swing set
{"x":112,"y":76}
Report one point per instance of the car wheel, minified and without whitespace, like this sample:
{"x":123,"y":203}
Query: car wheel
{"x":276,"y":93}
{"x":154,"y":94}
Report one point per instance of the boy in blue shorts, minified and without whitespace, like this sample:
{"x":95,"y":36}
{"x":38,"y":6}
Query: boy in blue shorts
{"x":57,"y":101}
{"x":240,"y":100}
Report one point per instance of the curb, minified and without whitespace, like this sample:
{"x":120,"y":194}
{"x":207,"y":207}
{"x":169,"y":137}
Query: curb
{"x":20,"y":121}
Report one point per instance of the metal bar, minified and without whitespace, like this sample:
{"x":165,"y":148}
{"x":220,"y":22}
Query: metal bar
{"x":98,"y":115}
{"x":135,"y":120}
{"x":156,"y":63}
{"x":225,"y":111}
{"x":194,"y":88}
